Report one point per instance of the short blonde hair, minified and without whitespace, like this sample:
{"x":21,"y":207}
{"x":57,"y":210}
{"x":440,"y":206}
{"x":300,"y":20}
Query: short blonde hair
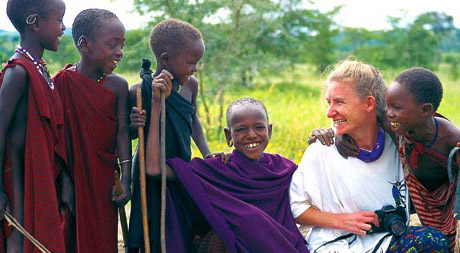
{"x":367,"y":81}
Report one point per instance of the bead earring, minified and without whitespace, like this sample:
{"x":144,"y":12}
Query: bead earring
{"x":230,"y":143}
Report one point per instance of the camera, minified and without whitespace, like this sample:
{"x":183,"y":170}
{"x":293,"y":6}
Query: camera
{"x":391,"y":219}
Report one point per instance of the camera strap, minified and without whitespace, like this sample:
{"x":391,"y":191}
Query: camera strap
{"x":346,"y":236}
{"x":380,"y":243}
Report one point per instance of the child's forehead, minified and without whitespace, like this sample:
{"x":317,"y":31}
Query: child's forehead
{"x":248,"y":111}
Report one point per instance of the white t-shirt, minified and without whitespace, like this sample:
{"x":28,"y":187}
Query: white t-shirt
{"x":334,"y":184}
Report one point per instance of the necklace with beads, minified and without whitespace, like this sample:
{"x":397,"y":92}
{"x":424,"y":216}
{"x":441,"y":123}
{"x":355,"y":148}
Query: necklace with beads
{"x":40,"y":65}
{"x":100,"y":80}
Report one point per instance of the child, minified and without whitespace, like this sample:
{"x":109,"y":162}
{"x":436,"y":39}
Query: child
{"x":178,"y":47}
{"x":425,"y":139}
{"x":32,"y":149}
{"x":96,"y":121}
{"x":245,"y":201}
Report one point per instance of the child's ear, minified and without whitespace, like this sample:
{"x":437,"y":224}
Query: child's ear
{"x":33,"y":21}
{"x":228,"y":135}
{"x":427,"y":110}
{"x":270,"y":127}
{"x":83,"y":44}
{"x":164,"y":57}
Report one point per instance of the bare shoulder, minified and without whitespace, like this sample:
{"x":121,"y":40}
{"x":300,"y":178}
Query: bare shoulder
{"x":449,"y":133}
{"x":192,"y":84}
{"x":17,"y":77}
{"x":116,"y":83}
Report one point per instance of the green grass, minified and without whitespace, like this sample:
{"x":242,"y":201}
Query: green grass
{"x":296,"y":105}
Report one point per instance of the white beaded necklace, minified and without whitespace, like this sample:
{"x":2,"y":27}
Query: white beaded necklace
{"x":40,"y":65}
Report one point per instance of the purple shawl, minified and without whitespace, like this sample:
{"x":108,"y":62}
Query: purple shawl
{"x":245,"y":202}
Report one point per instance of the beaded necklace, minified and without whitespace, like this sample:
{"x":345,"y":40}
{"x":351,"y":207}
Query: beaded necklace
{"x":40,"y":65}
{"x":100,"y":80}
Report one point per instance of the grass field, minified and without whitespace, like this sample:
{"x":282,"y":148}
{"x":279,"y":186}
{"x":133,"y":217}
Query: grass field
{"x":296,"y":105}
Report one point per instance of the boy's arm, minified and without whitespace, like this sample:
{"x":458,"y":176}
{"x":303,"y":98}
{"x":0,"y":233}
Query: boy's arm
{"x":162,"y":82}
{"x":123,"y":141}
{"x":15,"y":85}
{"x":198,"y":134}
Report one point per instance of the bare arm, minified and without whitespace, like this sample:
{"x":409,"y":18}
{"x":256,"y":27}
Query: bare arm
{"x":123,"y":140}
{"x":198,"y":135}
{"x":357,"y":223}
{"x":161,"y":83}
{"x":15,"y":85}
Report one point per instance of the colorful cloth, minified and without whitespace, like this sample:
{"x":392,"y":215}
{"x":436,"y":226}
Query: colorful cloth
{"x":43,"y":160}
{"x":180,"y":207}
{"x":420,"y":239}
{"x":91,"y":130}
{"x":434,"y":208}
{"x":246,"y":202}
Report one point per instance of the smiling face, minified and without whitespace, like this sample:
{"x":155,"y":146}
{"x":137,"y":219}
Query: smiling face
{"x":249,"y":130}
{"x":184,"y":63}
{"x":403,"y":111}
{"x":51,"y":27}
{"x":346,"y":109}
{"x":105,"y":47}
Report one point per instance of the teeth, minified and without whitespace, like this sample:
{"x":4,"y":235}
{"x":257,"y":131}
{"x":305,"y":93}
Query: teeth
{"x":340,"y":121}
{"x":394,"y":124}
{"x":253,"y":145}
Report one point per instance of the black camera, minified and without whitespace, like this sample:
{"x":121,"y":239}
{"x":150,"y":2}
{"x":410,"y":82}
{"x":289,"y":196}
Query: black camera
{"x":391,"y":219}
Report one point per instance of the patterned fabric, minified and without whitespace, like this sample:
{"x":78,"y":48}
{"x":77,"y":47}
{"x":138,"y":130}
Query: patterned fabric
{"x":420,"y":239}
{"x":434,"y":208}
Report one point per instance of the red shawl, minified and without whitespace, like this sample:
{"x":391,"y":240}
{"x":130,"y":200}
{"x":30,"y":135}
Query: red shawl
{"x":44,"y":153}
{"x":91,"y":130}
{"x":434,"y":208}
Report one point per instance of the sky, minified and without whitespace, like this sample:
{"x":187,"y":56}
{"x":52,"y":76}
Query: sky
{"x":369,"y":14}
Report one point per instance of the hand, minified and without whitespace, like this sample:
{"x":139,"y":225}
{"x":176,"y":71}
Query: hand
{"x":4,"y":204}
{"x":162,"y":83}
{"x":68,"y":192}
{"x":358,"y":223}
{"x":325,"y":136}
{"x":224,"y":157}
{"x":125,"y":195}
{"x":346,"y":146}
{"x":137,"y":118}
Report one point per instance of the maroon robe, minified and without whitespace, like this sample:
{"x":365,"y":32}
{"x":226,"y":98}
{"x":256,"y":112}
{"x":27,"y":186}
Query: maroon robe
{"x":43,"y":161}
{"x":91,"y":130}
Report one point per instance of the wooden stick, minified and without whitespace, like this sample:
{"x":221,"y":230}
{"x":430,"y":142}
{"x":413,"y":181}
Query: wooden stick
{"x":140,"y":133}
{"x":163,"y":173}
{"x":13,"y":222}
{"x":121,"y":209}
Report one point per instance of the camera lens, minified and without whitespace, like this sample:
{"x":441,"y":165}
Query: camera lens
{"x":395,"y":225}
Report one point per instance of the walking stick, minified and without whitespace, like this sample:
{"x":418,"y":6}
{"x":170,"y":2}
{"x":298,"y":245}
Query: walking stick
{"x":163,"y":173}
{"x":140,"y":133}
{"x":121,"y":209}
{"x":13,"y":222}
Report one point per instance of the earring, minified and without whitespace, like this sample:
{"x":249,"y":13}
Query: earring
{"x":230,"y":143}
{"x":80,"y":40}
{"x":32,"y":18}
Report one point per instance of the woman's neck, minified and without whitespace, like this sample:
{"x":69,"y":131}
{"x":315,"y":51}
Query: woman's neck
{"x":366,"y":138}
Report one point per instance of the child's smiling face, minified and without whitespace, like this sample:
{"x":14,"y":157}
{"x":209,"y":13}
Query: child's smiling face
{"x":107,"y":45}
{"x":403,"y":110}
{"x":184,"y":63}
{"x":51,"y":26}
{"x":249,"y":130}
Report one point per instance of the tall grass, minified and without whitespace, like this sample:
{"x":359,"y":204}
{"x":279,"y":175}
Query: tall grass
{"x":296,"y":105}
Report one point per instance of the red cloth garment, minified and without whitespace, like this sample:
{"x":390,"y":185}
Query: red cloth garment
{"x":435,"y":208}
{"x":43,"y":160}
{"x":91,"y":129}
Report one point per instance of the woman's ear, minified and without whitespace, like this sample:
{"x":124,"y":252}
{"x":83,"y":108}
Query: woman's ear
{"x":370,"y":103}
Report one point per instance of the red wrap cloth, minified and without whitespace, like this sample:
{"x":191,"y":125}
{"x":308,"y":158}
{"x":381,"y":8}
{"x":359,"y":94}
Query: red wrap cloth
{"x":43,"y":160}
{"x":434,"y":208}
{"x":91,"y":130}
